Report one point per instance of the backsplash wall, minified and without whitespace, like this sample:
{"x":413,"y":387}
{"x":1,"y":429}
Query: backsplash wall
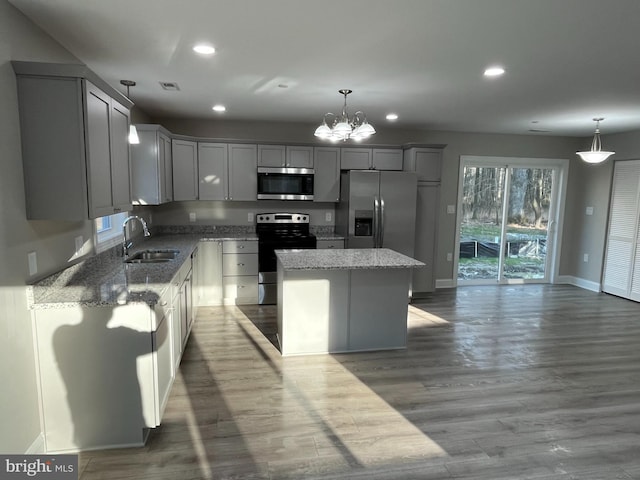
{"x":233,"y":213}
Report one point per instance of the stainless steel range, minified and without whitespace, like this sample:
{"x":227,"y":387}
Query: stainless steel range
{"x":278,"y":231}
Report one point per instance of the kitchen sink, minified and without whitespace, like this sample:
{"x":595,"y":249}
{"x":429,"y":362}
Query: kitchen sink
{"x":153,"y":256}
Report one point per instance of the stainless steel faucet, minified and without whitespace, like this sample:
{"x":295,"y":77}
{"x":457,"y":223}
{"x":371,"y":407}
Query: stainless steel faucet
{"x":127,"y":245}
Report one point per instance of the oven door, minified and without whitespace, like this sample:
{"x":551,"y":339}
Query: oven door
{"x":285,"y":183}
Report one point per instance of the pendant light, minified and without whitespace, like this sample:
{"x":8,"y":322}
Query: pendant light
{"x":133,"y":133}
{"x":344,"y":127}
{"x":596,"y":154}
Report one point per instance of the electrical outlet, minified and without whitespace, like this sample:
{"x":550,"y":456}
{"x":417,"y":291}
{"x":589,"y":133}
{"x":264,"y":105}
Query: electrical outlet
{"x":328,"y":217}
{"x":79,"y":245}
{"x":32,"y":258}
{"x":250,"y":217}
{"x":585,"y":257}
{"x":192,"y":217}
{"x":449,"y":257}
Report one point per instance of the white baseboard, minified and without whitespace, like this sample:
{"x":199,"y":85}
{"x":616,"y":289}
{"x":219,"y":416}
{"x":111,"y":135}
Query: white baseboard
{"x":445,"y":283}
{"x":37,"y":447}
{"x":579,"y":282}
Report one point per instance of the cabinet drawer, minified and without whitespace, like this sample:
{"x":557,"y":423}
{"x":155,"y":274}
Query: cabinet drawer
{"x":330,"y":244}
{"x":240,"y":246}
{"x":244,"y":289}
{"x":239,"y":264}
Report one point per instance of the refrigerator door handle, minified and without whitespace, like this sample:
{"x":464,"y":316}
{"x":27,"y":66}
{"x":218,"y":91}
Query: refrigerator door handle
{"x":381,"y":223}
{"x":376,"y":218}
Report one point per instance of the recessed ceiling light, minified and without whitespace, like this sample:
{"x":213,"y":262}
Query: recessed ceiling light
{"x":392,"y":116}
{"x":204,"y":49}
{"x":493,"y":71}
{"x":219,"y":108}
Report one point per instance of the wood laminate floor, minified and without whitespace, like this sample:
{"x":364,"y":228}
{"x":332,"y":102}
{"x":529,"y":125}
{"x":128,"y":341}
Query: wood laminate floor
{"x":510,"y":382}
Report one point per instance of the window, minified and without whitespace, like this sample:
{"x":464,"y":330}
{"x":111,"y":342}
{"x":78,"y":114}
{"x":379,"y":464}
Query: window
{"x":108,"y":231}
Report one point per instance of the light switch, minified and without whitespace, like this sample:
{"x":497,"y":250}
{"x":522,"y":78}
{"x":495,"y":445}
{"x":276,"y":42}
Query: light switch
{"x":192,"y":216}
{"x":589,"y":211}
{"x":250,"y":217}
{"x":451,"y":209}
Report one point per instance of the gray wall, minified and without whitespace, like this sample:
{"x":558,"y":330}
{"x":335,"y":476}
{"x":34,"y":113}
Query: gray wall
{"x":53,"y":241}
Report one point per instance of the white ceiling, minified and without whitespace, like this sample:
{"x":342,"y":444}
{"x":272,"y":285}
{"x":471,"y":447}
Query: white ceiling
{"x":566,"y":61}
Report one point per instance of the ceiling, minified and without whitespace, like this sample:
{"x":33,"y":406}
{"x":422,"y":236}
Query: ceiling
{"x":566,"y":61}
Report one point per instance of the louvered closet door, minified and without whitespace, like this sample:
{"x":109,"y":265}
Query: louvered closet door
{"x":622,"y":262}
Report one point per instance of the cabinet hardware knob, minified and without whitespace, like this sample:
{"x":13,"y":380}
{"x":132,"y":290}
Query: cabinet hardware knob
{"x":163,"y":304}
{"x":241,"y":264}
{"x":240,"y":246}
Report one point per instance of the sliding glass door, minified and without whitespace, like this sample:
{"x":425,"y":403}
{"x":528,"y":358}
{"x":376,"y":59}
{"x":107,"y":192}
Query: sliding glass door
{"x":506,"y":220}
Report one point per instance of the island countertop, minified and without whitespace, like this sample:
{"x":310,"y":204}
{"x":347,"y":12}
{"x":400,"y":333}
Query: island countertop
{"x":345,"y":259}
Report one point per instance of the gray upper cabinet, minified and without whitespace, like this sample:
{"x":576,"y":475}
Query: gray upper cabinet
{"x":185,"y":169}
{"x":371,"y":159}
{"x":281,"y":156}
{"x":243,"y":172}
{"x":75,"y":149}
{"x":386,"y":159}
{"x":272,"y":155}
{"x":326,"y":180}
{"x":355,"y":159}
{"x":299,"y":157}
{"x":213,"y":171}
{"x":425,"y":161}
{"x":151,"y":167}
{"x":227,"y":171}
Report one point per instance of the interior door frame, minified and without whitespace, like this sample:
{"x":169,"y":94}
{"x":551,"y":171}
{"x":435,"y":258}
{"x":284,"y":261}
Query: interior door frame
{"x":560,"y":167}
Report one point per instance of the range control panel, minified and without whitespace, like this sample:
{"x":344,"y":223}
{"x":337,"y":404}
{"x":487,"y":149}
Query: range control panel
{"x":282,"y":218}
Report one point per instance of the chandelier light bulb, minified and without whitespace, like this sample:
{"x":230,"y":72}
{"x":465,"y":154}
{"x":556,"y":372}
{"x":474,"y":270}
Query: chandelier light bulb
{"x":344,"y":127}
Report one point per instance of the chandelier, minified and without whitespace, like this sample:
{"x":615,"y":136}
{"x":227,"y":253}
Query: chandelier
{"x":344,"y":127}
{"x":596,"y":154}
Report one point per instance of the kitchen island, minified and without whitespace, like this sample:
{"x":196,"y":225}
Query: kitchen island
{"x":350,"y":300}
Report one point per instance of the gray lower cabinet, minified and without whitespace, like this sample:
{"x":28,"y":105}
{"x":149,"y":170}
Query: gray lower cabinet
{"x":326,"y":180}
{"x":105,"y":372}
{"x":427,"y":210}
{"x":329,"y":244}
{"x":426,"y":162}
{"x":208,"y":292}
{"x":185,"y":170}
{"x":74,"y":143}
{"x":227,"y":171}
{"x":240,"y":271}
{"x":152,"y":166}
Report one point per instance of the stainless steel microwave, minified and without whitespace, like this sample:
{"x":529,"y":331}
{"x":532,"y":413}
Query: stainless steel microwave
{"x":285,"y":183}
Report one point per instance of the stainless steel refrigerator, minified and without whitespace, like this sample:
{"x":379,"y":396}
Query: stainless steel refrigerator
{"x":377,"y":209}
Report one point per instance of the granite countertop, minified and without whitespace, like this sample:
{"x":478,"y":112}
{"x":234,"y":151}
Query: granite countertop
{"x":105,"y":280}
{"x":349,"y":259}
